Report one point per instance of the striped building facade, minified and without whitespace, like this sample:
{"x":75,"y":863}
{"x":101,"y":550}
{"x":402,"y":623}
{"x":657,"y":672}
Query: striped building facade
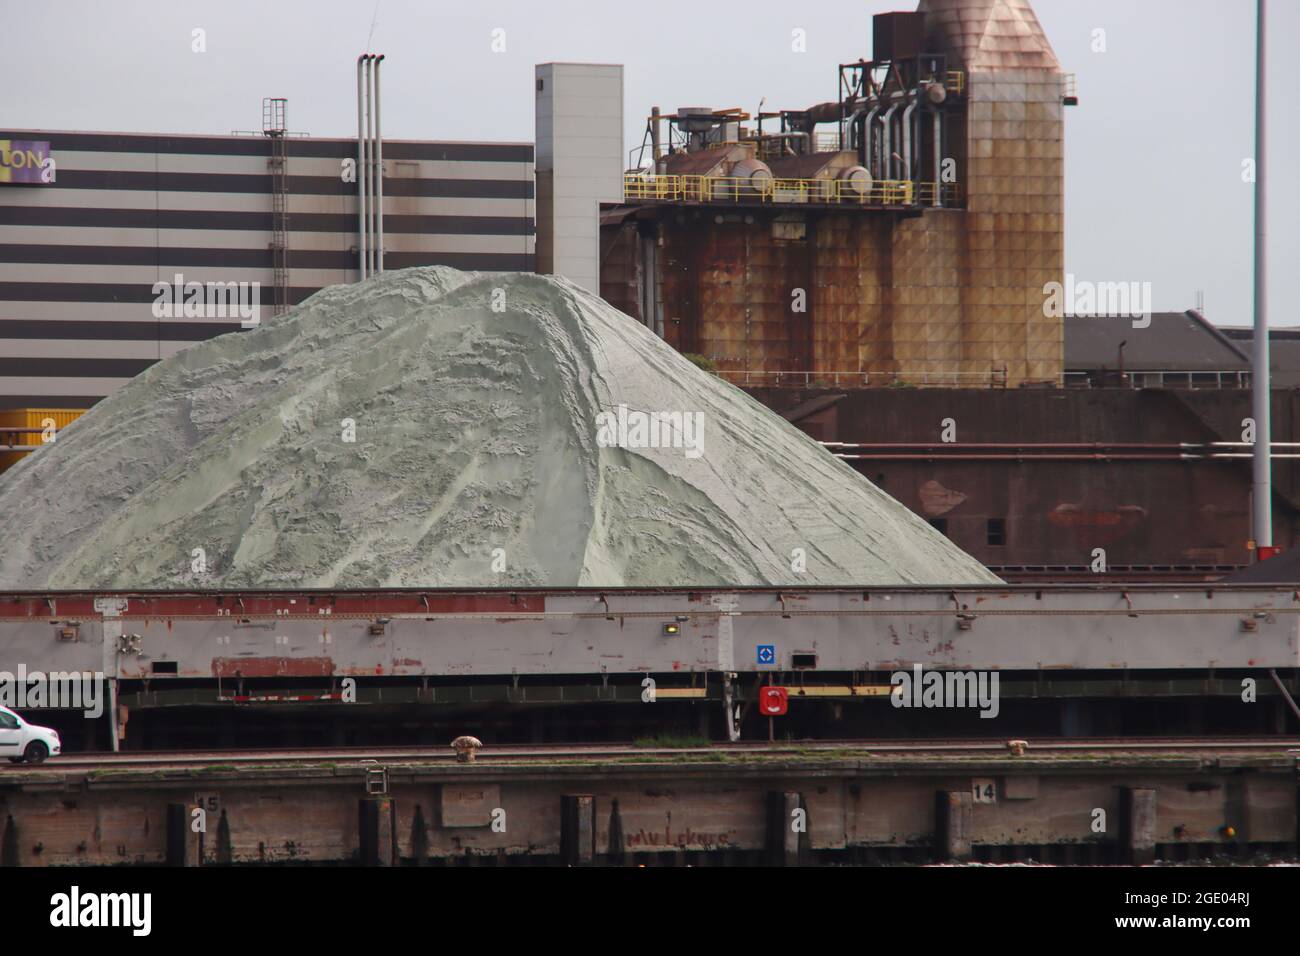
{"x":79,"y":256}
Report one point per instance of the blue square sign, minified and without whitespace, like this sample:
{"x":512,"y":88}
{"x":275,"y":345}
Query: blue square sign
{"x":766,"y":654}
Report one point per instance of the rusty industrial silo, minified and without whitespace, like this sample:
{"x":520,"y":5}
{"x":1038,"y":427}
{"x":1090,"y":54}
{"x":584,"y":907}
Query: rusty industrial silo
{"x":900,"y":234}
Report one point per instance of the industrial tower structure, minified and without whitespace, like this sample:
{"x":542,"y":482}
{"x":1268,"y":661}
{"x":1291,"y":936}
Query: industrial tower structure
{"x":901,"y":234}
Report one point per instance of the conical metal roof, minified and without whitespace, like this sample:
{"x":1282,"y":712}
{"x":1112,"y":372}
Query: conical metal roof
{"x":989,"y":35}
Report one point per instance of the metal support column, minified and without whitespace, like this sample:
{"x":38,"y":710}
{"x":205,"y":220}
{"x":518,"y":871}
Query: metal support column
{"x":1262,"y":497}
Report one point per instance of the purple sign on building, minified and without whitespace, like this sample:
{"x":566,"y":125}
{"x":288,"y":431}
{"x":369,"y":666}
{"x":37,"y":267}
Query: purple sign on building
{"x":24,"y":161}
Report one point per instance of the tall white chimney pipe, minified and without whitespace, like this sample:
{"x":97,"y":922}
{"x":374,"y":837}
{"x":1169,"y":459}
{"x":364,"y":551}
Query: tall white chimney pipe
{"x":361,"y":171}
{"x":379,"y":176}
{"x":370,"y":157}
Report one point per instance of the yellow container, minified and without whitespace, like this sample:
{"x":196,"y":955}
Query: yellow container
{"x":30,"y":418}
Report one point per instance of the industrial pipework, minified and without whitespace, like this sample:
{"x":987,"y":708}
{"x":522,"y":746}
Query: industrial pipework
{"x":370,"y":167}
{"x":895,"y":116}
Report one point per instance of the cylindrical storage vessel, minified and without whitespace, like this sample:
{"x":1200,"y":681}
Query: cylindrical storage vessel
{"x":856,"y":182}
{"x":748,"y":177}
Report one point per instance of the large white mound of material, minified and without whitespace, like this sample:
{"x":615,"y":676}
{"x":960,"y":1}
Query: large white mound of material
{"x":476,"y":461}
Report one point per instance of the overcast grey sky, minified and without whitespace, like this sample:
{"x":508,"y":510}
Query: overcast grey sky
{"x":1153,"y":152}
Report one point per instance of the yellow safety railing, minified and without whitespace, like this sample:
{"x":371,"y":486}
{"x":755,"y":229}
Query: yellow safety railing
{"x":893,"y":192}
{"x":881,"y":192}
{"x":801,"y":190}
{"x":652,"y":187}
{"x":724,"y":188}
{"x":925,"y":193}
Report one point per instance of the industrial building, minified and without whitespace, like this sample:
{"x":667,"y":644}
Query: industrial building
{"x":1034,"y":481}
{"x":904,"y":232}
{"x":579,"y":164}
{"x":872,"y":268}
{"x":82,"y":253}
{"x":875,"y":268}
{"x":1176,"y":350}
{"x":868,"y":266}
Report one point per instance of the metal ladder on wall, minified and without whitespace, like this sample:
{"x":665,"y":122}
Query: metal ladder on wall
{"x":274,"y":110}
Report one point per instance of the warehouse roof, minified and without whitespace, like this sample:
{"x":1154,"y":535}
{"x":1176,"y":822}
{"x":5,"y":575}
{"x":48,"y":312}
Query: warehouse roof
{"x":1281,"y":569}
{"x":1283,"y":352}
{"x":1174,"y":341}
{"x":990,"y":35}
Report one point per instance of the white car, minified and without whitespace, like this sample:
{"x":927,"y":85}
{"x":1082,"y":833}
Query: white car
{"x":21,"y":741}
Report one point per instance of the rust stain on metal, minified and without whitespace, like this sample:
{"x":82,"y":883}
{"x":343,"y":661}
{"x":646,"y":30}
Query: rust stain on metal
{"x":819,"y":291}
{"x":1072,"y":516}
{"x":1097,"y":527}
{"x":272,"y":666}
{"x":937,"y":500}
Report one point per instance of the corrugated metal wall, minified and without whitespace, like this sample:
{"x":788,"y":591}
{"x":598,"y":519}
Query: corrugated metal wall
{"x":79,"y":257}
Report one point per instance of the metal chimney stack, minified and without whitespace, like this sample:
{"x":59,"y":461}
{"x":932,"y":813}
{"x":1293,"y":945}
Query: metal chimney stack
{"x":370,"y":167}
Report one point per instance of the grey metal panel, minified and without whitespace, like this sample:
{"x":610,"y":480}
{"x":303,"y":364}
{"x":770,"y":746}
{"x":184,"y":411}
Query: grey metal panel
{"x":257,"y":165}
{"x":37,"y":648}
{"x":74,"y":311}
{"x":33,"y":385}
{"x":199,"y":202}
{"x":79,"y":348}
{"x":164,"y":144}
{"x":847,"y":630}
{"x":146,"y":276}
{"x":167,"y":239}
